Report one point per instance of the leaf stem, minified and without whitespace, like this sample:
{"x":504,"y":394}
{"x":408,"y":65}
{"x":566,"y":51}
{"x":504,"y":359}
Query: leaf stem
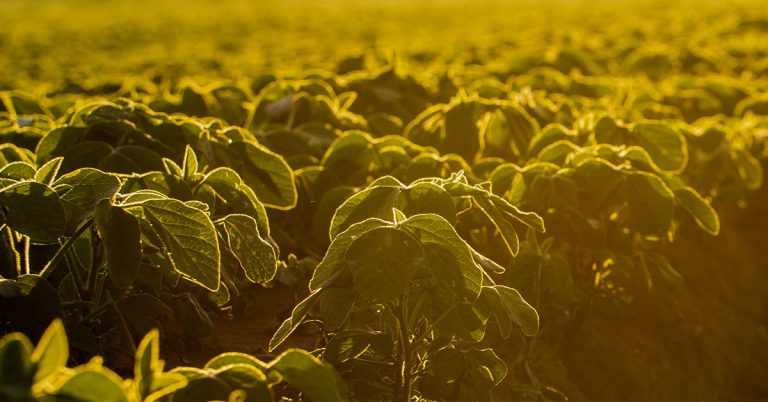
{"x":46,"y":271}
{"x":251,"y":107}
{"x":93,"y":271}
{"x":26,"y":255}
{"x":374,"y":362}
{"x":69,"y":257}
{"x":12,"y":245}
{"x":406,"y":374}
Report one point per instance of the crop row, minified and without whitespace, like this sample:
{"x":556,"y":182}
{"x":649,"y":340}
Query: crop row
{"x":430,"y":228}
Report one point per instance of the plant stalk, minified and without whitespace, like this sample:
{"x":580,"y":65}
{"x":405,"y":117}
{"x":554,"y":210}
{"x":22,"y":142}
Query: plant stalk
{"x":27,"y":257}
{"x":12,"y":245}
{"x":406,"y":375}
{"x":70,"y":259}
{"x":93,"y":271}
{"x":46,"y":271}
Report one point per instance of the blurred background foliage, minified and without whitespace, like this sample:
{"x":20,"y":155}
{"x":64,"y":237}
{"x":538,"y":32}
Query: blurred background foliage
{"x":58,"y":41}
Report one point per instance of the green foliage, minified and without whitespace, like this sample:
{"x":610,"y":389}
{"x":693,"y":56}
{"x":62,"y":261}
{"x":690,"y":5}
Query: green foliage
{"x":41,"y":373}
{"x":188,"y":237}
{"x":34,"y":210}
{"x":121,"y":235}
{"x":111,"y":236}
{"x":417,"y":282}
{"x":407,"y":200}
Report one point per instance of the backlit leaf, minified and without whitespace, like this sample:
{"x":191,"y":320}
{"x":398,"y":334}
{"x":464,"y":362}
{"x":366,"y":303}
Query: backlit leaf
{"x":35,"y":210}
{"x":651,"y":203}
{"x":121,"y":236}
{"x":700,"y":209}
{"x":254,"y":254}
{"x":189,"y":237}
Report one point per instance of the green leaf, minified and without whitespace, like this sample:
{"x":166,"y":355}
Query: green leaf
{"x":52,"y":351}
{"x":519,"y":122}
{"x":333,"y":262}
{"x":448,"y":255}
{"x":509,"y":307}
{"x":89,"y":383}
{"x":131,"y":159}
{"x":11,"y":153}
{"x":121,"y":237}
{"x":666,"y":146}
{"x":197,"y":205}
{"x":651,"y":203}
{"x":504,"y":227}
{"x":489,"y":364}
{"x":201,"y":385}
{"x":557,"y":152}
{"x":486,"y":263}
{"x":461,"y":189}
{"x":156,"y":181}
{"x":447,"y":364}
{"x":140,"y":196}
{"x":57,"y":142}
{"x":165,"y":384}
{"x":346,"y":345}
{"x":380,"y":197}
{"x":315,"y":379}
{"x":147,"y":363}
{"x":351,"y":152}
{"x":530,"y":219}
{"x":190,"y":166}
{"x":247,"y":378}
{"x":33,"y":304}
{"x":190,"y":240}
{"x":422,"y":198}
{"x":222,"y":296}
{"x":253,"y":253}
{"x":236,"y":197}
{"x":326,"y":209}
{"x":172,"y":168}
{"x":85,"y":154}
{"x":82,"y":189}
{"x":700,"y":209}
{"x":383,"y":261}
{"x":465,"y":321}
{"x":336,"y":304}
{"x":227,"y":359}
{"x":749,"y":168}
{"x":551,"y":134}
{"x":511,"y":127}
{"x":462,"y":134}
{"x":18,"y":171}
{"x":373,"y":202}
{"x":264,"y":171}
{"x":608,"y":131}
{"x":35,"y":210}
{"x":598,"y":179}
{"x":9,"y":289}
{"x":47,"y":173}
{"x":290,"y":323}
{"x":662,"y":266}
{"x":17,"y":370}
